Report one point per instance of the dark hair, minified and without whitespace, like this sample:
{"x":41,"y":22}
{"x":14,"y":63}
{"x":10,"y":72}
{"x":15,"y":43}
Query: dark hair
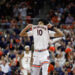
{"x":44,"y":21}
{"x":53,"y":63}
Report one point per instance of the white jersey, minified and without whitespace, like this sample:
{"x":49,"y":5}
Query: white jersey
{"x":41,"y":36}
{"x":27,"y":58}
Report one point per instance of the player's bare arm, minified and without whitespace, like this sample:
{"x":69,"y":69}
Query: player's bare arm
{"x":58,"y":32}
{"x":31,"y":59}
{"x":21,"y":56}
{"x":23,"y":32}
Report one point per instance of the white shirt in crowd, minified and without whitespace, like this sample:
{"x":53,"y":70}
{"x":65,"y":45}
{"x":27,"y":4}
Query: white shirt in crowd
{"x":61,"y":60}
{"x":5,"y":68}
{"x":23,"y":11}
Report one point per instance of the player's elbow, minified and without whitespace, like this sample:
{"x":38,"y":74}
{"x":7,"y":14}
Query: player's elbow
{"x":20,"y":35}
{"x":61,"y":34}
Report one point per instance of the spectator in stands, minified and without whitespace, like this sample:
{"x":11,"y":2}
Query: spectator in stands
{"x":6,"y":50}
{"x":23,"y":11}
{"x":5,"y":67}
{"x":67,"y":68}
{"x":1,"y":52}
{"x":69,"y":19}
{"x":58,"y":69}
{"x":3,"y":42}
{"x":15,"y":11}
{"x":72,"y":8}
{"x":30,"y":12}
{"x":73,"y":72}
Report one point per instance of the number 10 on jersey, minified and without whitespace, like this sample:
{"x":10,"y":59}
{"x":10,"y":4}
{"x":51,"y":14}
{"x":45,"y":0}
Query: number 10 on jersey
{"x":39,"y":32}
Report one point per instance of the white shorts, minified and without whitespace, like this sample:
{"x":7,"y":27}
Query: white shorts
{"x":40,"y":58}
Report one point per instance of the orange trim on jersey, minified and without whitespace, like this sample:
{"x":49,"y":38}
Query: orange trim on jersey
{"x":35,"y":65}
{"x":40,"y":50}
{"x":44,"y":62}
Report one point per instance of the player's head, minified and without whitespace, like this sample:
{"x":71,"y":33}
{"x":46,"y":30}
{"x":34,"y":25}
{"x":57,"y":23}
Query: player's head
{"x":27,"y":47}
{"x":42,"y":22}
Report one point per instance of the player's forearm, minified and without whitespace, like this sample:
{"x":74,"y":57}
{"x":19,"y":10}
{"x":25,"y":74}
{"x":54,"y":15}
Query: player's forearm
{"x":59,"y":33}
{"x":21,"y":56}
{"x":23,"y":32}
{"x":31,"y":60}
{"x":20,"y":64}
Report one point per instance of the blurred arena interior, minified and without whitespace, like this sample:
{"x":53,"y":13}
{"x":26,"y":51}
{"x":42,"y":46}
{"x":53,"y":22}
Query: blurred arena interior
{"x":16,"y":14}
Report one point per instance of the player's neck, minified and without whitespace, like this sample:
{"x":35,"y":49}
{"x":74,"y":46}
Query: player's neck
{"x":27,"y":52}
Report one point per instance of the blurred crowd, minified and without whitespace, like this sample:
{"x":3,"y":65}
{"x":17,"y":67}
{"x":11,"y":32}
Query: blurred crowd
{"x":11,"y":48}
{"x":19,"y":12}
{"x":61,"y":12}
{"x":22,"y":12}
{"x":20,"y":9}
{"x":62,"y":55}
{"x":16,"y":14}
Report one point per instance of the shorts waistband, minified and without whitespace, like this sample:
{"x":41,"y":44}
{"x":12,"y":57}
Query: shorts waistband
{"x":40,"y":50}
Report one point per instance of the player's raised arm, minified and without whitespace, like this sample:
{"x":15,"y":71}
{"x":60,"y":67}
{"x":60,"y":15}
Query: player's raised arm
{"x":23,"y":32}
{"x":31,"y":59}
{"x":58,"y":32}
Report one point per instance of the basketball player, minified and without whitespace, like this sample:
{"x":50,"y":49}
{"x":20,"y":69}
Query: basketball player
{"x":41,"y":36}
{"x":26,"y":61}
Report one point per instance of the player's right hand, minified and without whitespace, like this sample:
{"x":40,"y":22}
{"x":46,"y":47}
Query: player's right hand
{"x":29,"y":26}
